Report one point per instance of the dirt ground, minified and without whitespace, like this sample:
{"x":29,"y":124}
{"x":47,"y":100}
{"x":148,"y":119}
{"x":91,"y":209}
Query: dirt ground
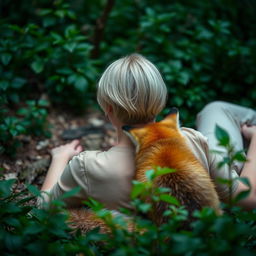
{"x":33,"y":158}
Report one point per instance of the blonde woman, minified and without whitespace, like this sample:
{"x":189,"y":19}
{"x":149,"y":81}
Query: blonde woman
{"x":131,"y":91}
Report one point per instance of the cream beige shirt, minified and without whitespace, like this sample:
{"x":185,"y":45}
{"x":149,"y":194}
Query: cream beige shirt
{"x":107,"y":176}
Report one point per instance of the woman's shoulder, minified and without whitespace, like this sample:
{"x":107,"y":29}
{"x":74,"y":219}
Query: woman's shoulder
{"x":198,"y":144}
{"x":109,"y":175}
{"x":101,"y":163}
{"x":192,"y":133}
{"x":111,"y":153}
{"x":195,"y":137}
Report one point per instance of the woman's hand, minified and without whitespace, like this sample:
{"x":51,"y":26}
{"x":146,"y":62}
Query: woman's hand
{"x":67,"y":151}
{"x":60,"y":157}
{"x":249,"y":169}
{"x":248,"y":131}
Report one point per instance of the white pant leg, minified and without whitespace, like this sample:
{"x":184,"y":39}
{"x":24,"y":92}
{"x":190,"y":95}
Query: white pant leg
{"x":228,"y":116}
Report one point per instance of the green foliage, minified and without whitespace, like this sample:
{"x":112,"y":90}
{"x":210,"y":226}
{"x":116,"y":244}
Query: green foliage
{"x":205,"y":50}
{"x":28,"y":230}
{"x":229,"y":158}
{"x":34,"y":60}
{"x":30,"y":119}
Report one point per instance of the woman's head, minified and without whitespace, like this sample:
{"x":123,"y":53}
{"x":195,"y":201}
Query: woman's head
{"x":134,"y":89}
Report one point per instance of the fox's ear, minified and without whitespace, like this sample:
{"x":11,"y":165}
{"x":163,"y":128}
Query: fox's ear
{"x":172,"y":111}
{"x":127,"y":128}
{"x":172,"y":119}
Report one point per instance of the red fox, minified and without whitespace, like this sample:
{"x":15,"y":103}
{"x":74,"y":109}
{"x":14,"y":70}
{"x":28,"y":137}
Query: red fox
{"x":162,"y":144}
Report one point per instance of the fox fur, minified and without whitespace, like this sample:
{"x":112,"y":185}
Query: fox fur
{"x":162,"y":144}
{"x":85,"y":220}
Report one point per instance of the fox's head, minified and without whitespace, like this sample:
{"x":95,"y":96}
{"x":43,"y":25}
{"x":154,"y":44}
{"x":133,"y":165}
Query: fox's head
{"x":144,"y":136}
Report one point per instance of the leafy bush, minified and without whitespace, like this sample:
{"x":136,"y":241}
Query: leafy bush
{"x":205,"y":50}
{"x":27,"y":230}
{"x":30,"y":120}
{"x":34,"y":61}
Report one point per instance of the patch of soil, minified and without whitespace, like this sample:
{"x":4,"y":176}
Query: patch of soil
{"x":33,"y":158}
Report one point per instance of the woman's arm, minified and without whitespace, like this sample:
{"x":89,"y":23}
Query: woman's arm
{"x":249,"y":169}
{"x":60,"y":157}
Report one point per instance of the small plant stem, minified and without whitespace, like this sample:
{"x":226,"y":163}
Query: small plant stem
{"x":230,"y":153}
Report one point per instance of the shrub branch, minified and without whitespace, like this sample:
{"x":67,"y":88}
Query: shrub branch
{"x":99,"y":28}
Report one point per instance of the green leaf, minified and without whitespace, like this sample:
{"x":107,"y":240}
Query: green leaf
{"x":224,"y":181}
{"x":64,"y":71}
{"x":169,"y":199}
{"x":71,"y":14}
{"x":72,"y":78}
{"x":137,"y":189}
{"x":84,"y":47}
{"x":34,"y":190}
{"x":70,"y":193}
{"x":70,"y":46}
{"x":176,"y":65}
{"x":222,"y":136}
{"x":49,"y":21}
{"x":6,"y":58}
{"x":13,"y":222}
{"x":37,"y":66}
{"x":242,"y":195}
{"x":144,"y":207}
{"x":240,"y":156}
{"x":13,"y":242}
{"x":70,"y":31}
{"x":162,"y":171}
{"x":225,"y":160}
{"x":245,"y":181}
{"x":81,"y":83}
{"x":57,"y":38}
{"x":20,"y":129}
{"x":23,"y":111}
{"x":43,"y":12}
{"x":162,"y":190}
{"x":18,"y":82}
{"x":15,"y":28}
{"x":43,"y":103}
{"x":5,"y":187}
{"x":94,"y":204}
{"x":4,"y":85}
{"x":60,"y":13}
{"x":184,"y":78}
{"x":13,"y":132}
{"x":150,"y":174}
{"x":33,"y":229}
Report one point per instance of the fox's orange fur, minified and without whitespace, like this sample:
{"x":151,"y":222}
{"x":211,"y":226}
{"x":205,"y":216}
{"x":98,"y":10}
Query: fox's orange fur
{"x":86,"y":220}
{"x":162,"y":144}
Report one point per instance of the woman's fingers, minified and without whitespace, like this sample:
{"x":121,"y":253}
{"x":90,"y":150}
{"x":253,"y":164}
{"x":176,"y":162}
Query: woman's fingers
{"x":248,"y":131}
{"x":79,"y":149}
{"x":75,"y":143}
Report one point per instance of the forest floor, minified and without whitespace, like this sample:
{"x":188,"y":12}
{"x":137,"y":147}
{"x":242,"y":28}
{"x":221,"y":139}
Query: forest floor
{"x":30,"y":164}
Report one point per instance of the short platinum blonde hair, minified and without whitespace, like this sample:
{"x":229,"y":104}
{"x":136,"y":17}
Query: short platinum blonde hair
{"x":134,"y":88}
